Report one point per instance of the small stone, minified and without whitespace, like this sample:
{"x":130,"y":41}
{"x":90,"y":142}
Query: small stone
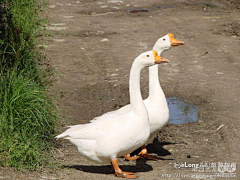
{"x":105,"y":6}
{"x":114,"y":74}
{"x":51,"y":6}
{"x":44,"y":177}
{"x":59,"y":40}
{"x":115,"y":1}
{"x":188,"y":156}
{"x":220,"y":127}
{"x":104,"y":40}
{"x":116,"y":8}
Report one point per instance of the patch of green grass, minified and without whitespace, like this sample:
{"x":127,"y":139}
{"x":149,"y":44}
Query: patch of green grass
{"x":27,"y":121}
{"x":28,"y":115}
{"x":21,"y":28}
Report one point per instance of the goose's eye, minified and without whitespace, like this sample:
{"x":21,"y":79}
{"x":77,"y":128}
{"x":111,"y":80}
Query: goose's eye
{"x":164,"y":39}
{"x":147,"y":55}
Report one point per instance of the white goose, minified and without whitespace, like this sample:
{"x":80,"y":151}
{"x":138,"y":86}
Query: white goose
{"x":108,"y":137}
{"x":156,"y":103}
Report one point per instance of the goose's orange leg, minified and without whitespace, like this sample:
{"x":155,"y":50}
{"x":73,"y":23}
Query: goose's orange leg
{"x":142,"y":154}
{"x":128,"y":157}
{"x":120,"y":173}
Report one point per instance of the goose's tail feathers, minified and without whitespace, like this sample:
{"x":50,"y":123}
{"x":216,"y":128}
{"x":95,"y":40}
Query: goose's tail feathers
{"x":71,"y":129}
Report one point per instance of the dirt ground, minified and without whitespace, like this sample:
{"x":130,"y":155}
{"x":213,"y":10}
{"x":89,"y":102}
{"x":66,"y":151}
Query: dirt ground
{"x":91,"y":47}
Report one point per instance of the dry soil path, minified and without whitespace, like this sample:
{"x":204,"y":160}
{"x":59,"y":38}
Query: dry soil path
{"x":92,"y":45}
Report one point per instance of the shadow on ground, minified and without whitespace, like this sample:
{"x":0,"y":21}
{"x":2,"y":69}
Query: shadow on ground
{"x":141,"y":166}
{"x":157,"y":148}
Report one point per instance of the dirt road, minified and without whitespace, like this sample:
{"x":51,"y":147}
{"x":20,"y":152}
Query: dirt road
{"x":92,"y":46}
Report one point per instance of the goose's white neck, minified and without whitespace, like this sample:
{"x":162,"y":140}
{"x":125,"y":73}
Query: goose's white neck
{"x":155,"y":90}
{"x":136,"y":100}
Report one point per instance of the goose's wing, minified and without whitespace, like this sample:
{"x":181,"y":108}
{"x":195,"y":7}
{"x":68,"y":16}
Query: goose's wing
{"x":98,"y":128}
{"x":122,"y":110}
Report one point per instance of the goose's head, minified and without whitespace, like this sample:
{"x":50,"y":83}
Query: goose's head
{"x":166,"y":42}
{"x":150,"y":58}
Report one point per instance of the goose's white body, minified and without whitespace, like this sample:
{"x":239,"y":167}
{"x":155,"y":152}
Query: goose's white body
{"x":156,"y":103}
{"x":110,"y":136}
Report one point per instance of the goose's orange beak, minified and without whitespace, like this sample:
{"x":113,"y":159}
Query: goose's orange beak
{"x":159,"y":59}
{"x":174,"y":42}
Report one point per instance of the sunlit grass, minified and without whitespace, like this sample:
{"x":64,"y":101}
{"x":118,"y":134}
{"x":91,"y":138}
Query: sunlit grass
{"x":28,"y":114}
